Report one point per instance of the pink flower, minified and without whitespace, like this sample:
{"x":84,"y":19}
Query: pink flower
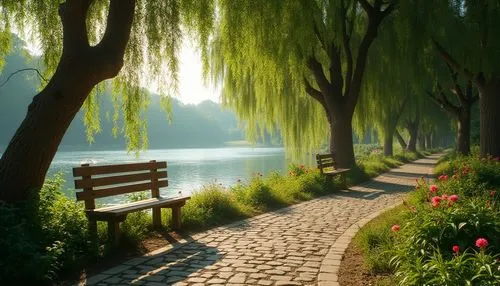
{"x":443,"y":177}
{"x":444,"y":197}
{"x":435,"y":201}
{"x":456,"y":248}
{"x":481,"y":242}
{"x":453,"y":198}
{"x":395,"y":227}
{"x":433,"y":188}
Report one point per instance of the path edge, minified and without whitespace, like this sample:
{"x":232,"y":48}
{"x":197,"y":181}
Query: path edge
{"x":330,"y":266}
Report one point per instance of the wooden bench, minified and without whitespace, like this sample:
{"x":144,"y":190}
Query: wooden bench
{"x":110,"y":180}
{"x":326,"y":166}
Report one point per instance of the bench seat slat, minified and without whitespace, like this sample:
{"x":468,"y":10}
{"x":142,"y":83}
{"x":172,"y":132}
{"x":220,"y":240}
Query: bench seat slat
{"x":114,"y":180}
{"x":122,"y":209}
{"x":101,"y":193}
{"x":326,"y":165}
{"x":323,"y":156}
{"x":119,"y":168}
{"x":336,"y":171}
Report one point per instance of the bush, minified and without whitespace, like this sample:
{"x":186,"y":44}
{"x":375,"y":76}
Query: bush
{"x":44,"y":238}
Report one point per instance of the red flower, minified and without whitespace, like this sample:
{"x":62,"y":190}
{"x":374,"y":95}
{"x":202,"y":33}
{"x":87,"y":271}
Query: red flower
{"x":433,"y":188}
{"x":456,"y":248}
{"x":453,"y":198}
{"x":493,"y":193}
{"x":481,"y":242}
{"x":435,"y":201}
{"x":443,"y":177}
{"x":395,"y":227}
{"x":444,"y":197}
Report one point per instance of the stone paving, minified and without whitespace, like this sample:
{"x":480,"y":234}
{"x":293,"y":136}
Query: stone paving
{"x":297,"y":245}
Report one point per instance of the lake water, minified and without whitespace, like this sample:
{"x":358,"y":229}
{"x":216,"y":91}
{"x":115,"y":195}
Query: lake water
{"x":188,"y":169}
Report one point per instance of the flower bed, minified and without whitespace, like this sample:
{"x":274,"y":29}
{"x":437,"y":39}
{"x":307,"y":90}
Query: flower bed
{"x":449,"y":231}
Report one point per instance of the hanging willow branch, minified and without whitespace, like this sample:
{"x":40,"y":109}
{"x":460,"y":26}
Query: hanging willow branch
{"x":23,"y":70}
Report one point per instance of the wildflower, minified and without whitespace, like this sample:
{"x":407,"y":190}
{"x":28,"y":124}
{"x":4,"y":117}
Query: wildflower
{"x":433,"y":188}
{"x":395,"y":227}
{"x":493,"y":193}
{"x":453,"y":198}
{"x":443,"y":177}
{"x":481,"y":242}
{"x":444,"y":197}
{"x":435,"y":201}
{"x":456,"y":249}
{"x":302,"y":166}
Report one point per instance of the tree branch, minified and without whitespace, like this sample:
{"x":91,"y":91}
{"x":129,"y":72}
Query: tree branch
{"x":22,"y":70}
{"x":457,"y":67}
{"x":317,"y":70}
{"x":443,"y":102}
{"x":346,"y":37}
{"x":117,"y":34}
{"x":73,"y":14}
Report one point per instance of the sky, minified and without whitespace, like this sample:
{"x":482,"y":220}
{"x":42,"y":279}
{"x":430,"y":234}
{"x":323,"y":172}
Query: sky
{"x":192,"y":89}
{"x":191,"y":86}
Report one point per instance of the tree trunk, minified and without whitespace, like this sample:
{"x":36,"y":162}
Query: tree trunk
{"x":421,"y":142}
{"x":25,"y":162}
{"x":428,"y":141}
{"x":412,"y":142}
{"x":341,"y":145}
{"x":401,"y":140}
{"x":489,"y":102}
{"x":463,"y":131}
{"x":388,"y":139}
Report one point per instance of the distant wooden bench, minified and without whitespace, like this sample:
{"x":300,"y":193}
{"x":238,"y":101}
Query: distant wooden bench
{"x":110,"y":180}
{"x":326,"y":166}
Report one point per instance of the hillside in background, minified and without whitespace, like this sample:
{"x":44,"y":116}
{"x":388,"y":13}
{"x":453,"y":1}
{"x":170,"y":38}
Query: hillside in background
{"x":203,"y":125}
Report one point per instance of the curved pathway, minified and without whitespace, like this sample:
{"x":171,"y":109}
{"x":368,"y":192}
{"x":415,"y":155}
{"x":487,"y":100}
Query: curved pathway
{"x":298,"y":245}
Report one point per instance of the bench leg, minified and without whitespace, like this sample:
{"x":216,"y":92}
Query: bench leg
{"x":176,"y":217}
{"x":114,"y":231}
{"x":157,"y":217}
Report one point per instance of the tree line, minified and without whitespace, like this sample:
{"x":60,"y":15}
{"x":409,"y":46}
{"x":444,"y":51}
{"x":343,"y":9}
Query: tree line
{"x":311,"y":70}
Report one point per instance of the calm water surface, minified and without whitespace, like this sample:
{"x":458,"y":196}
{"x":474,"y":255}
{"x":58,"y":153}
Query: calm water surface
{"x":188,"y":169}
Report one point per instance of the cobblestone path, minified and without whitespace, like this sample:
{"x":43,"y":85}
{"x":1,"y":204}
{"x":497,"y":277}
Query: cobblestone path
{"x":285,"y":247}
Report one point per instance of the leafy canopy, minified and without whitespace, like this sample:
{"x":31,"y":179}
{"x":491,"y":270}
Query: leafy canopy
{"x":151,"y":57}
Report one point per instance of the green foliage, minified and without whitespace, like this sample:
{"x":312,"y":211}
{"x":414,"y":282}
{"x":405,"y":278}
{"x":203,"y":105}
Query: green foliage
{"x":152,"y":50}
{"x":421,"y":251}
{"x":38,"y":251}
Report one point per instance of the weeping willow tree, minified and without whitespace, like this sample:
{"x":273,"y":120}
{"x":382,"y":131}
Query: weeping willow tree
{"x":290,"y":63}
{"x":459,"y":108}
{"x":83,"y":43}
{"x":464,"y":35}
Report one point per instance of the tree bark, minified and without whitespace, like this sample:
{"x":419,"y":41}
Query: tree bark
{"x":463,"y":131}
{"x":401,"y":140}
{"x":489,"y":102}
{"x":388,"y":143}
{"x":412,"y":127}
{"x":341,"y":145}
{"x":428,"y":141}
{"x":421,"y":142}
{"x":25,"y":162}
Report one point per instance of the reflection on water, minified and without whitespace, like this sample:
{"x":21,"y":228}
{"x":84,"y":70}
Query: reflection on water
{"x":188,"y":169}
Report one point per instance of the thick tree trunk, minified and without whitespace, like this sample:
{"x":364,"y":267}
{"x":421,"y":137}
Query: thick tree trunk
{"x":463,"y":131}
{"x":341,"y":140}
{"x":428,"y":141}
{"x":25,"y":162}
{"x":489,"y":102}
{"x":412,"y":142}
{"x":401,"y":140}
{"x":388,"y":140}
{"x":421,"y":142}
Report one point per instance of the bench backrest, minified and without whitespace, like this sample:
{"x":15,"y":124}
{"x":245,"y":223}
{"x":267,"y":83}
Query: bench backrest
{"x":110,"y":180}
{"x":325,"y":161}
